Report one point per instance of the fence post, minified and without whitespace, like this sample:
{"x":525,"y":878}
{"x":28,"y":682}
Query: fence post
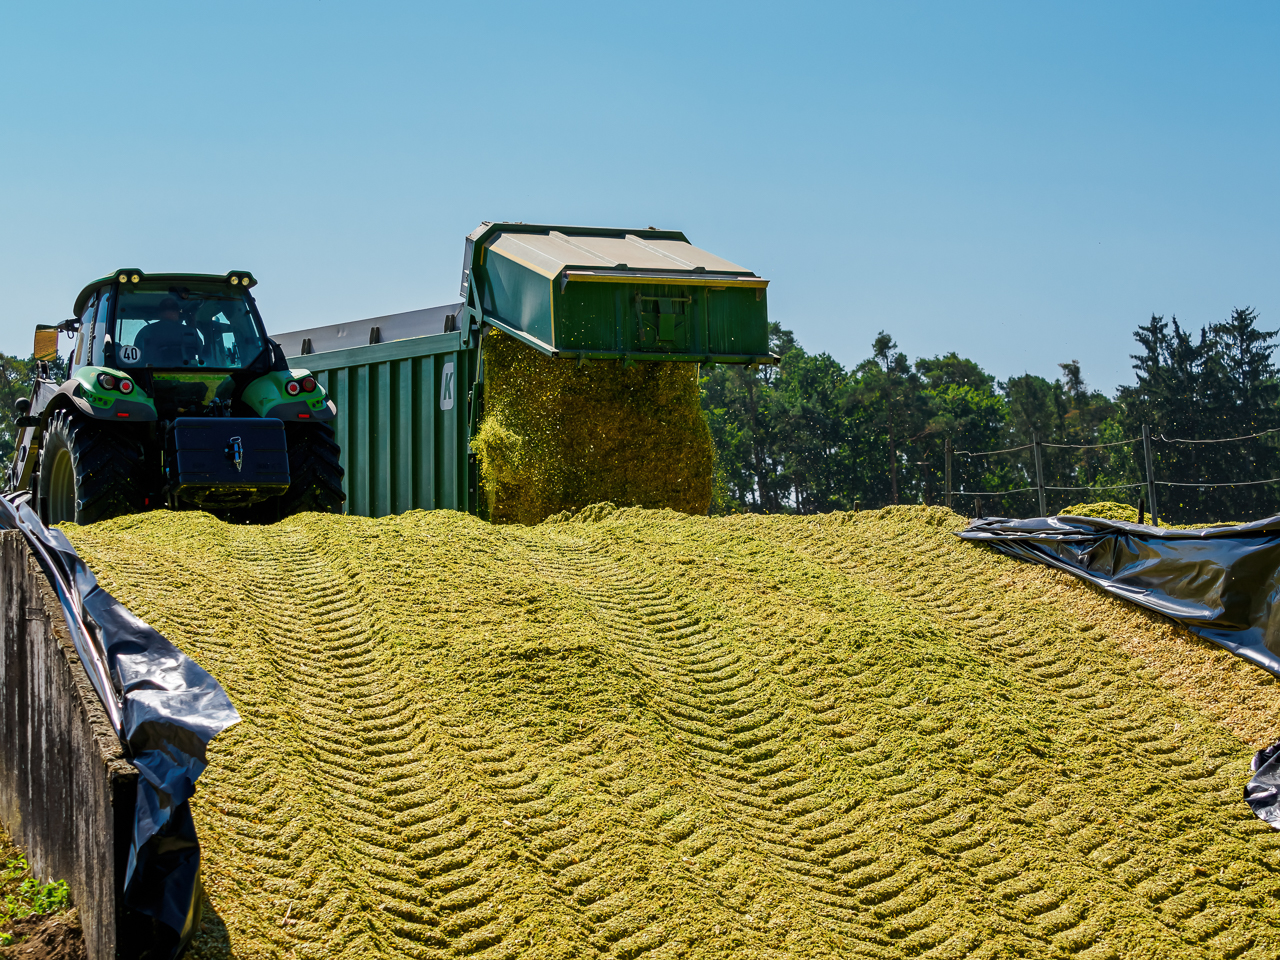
{"x":948,"y":472}
{"x":1151,"y":475}
{"x":1035,"y":440}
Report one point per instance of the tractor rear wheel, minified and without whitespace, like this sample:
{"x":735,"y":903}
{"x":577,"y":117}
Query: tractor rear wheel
{"x":314,"y":471}
{"x":88,"y":472}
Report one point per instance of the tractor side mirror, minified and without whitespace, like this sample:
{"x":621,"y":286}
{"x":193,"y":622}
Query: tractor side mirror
{"x":46,"y":347}
{"x":22,"y":405}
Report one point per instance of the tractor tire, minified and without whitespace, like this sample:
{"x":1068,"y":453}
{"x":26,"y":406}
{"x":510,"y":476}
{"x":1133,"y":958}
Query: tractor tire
{"x":315,"y":473}
{"x":88,"y":471}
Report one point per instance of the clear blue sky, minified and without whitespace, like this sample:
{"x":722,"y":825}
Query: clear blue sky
{"x":1024,"y":183}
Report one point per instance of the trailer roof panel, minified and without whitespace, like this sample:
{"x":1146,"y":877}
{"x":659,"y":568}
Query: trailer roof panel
{"x":550,"y":249}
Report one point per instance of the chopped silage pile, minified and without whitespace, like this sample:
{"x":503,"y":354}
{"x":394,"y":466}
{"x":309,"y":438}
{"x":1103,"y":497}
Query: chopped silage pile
{"x":1102,"y":510}
{"x":643,"y":734}
{"x":558,"y":436}
{"x":1110,"y":510}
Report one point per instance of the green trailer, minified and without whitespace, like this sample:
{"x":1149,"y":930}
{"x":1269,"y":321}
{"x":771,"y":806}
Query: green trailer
{"x":402,"y":417}
{"x":409,"y":387}
{"x":592,"y":293}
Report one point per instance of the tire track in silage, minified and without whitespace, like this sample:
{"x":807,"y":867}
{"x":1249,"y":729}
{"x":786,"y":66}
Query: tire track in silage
{"x":248,"y":806}
{"x":959,"y":821}
{"x":749,"y":753}
{"x":525,"y":781}
{"x":574,"y":859}
{"x":1043,"y":899}
{"x":1183,"y":906}
{"x":405,"y":872}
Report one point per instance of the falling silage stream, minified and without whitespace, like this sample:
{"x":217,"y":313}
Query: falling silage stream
{"x":653,"y":735}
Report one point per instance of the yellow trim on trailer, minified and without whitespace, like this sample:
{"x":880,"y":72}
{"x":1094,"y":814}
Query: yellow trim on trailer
{"x":676,"y":281}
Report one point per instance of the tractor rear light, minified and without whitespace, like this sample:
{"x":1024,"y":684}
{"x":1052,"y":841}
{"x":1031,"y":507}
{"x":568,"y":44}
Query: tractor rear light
{"x":308,"y":384}
{"x":304,"y":416}
{"x":292,"y":388}
{"x":106,"y":381}
{"x":125,"y":386}
{"x":121,"y":413}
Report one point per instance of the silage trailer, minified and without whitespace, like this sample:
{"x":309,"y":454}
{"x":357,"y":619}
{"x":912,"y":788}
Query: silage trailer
{"x":409,"y":387}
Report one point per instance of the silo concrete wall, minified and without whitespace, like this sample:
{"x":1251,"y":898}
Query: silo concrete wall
{"x":66,"y":790}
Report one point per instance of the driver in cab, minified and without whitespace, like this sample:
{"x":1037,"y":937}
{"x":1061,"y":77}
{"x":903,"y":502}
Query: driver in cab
{"x":168,"y":341}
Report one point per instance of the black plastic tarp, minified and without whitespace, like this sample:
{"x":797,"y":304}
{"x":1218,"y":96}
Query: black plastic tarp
{"x":165,"y":708}
{"x":1262,"y":792}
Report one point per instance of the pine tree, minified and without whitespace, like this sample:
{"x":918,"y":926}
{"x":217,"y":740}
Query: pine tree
{"x":1219,"y":386}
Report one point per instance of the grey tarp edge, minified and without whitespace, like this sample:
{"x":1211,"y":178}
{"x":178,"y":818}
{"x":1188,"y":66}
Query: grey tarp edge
{"x":1222,"y":583}
{"x":166,"y":708}
{"x":1262,"y":792}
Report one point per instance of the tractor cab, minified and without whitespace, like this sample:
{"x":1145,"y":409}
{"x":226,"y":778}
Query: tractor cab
{"x":188,"y":342}
{"x":175,"y":397}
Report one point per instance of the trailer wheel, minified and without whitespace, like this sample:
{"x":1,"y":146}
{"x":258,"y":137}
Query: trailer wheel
{"x":87,"y":473}
{"x":314,"y":471}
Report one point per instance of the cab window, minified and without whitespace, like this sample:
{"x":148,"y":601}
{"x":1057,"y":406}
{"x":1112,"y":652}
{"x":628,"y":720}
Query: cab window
{"x":100,"y":318}
{"x":86,"y":331}
{"x":189,"y":325}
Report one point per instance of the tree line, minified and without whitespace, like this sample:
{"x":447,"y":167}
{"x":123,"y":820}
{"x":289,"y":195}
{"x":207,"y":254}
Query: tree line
{"x":809,"y":436}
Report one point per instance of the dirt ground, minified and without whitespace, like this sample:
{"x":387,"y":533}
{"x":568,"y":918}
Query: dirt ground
{"x":37,"y":937}
{"x":54,"y":937}
{"x":654,"y":735}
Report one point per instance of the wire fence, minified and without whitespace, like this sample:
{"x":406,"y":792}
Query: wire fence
{"x":1148,"y":503}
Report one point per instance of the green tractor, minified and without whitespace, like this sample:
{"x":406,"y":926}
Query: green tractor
{"x":175,"y":398}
